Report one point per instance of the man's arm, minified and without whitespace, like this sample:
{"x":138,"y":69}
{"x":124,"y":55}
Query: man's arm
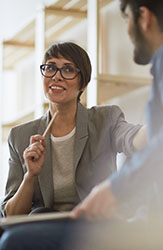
{"x":134,"y":178}
{"x":99,"y":203}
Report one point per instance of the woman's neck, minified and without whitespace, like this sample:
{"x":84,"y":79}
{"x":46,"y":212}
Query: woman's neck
{"x":65,"y":120}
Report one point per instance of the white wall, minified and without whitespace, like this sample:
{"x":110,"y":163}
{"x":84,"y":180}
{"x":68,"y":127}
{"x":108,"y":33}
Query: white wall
{"x":14,"y":14}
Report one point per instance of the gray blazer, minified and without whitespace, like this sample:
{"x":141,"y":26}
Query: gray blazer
{"x":101,"y":132}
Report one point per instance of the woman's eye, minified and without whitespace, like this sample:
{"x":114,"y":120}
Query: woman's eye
{"x":69,"y":69}
{"x":50,"y":68}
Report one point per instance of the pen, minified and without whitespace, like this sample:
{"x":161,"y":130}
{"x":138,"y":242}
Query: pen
{"x":49,"y":125}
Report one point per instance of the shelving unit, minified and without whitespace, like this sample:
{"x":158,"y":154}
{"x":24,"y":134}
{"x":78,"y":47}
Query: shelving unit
{"x":39,"y":33}
{"x":59,"y":18}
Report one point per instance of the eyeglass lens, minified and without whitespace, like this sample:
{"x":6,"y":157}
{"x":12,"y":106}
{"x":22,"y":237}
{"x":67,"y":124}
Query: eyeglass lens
{"x":67,"y":72}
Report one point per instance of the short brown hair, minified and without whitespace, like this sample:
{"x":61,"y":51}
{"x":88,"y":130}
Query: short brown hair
{"x":74,"y":53}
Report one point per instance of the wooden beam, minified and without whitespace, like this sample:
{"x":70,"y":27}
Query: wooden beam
{"x":66,"y":12}
{"x":103,"y":3}
{"x":124,"y":80}
{"x":15,"y":56}
{"x":18,"y":44}
{"x":50,"y":38}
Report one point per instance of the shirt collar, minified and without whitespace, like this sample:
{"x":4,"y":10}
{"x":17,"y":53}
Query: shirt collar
{"x":154,"y":58}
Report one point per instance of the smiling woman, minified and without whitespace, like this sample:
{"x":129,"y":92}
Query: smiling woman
{"x":58,"y":170}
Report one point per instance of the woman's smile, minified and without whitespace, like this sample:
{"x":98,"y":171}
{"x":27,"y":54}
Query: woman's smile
{"x":55,"y":88}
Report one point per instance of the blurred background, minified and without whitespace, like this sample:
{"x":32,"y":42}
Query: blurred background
{"x":28,"y":27}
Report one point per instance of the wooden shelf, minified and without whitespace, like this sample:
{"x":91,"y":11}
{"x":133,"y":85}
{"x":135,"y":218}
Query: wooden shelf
{"x":111,"y":86}
{"x":23,"y":43}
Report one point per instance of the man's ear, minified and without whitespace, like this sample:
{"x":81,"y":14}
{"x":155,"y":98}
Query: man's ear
{"x":145,"y":18}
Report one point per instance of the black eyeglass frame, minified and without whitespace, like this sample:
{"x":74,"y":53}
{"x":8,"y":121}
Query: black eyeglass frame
{"x":60,"y":70}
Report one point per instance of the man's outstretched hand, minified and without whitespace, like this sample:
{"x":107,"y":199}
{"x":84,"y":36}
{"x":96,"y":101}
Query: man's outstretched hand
{"x":99,"y":204}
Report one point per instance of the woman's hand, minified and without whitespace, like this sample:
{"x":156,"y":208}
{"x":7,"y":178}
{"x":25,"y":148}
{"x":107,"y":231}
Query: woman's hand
{"x":34,"y":155}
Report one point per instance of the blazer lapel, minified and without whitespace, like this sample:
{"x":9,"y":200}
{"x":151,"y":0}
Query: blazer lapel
{"x":45,"y":178}
{"x":81,"y":132}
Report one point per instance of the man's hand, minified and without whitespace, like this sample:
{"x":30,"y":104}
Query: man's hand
{"x":100,"y":203}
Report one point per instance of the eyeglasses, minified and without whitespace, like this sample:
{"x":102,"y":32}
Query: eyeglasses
{"x":67,"y":72}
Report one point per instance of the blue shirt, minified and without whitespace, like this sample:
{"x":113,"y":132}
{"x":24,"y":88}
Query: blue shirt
{"x":146,"y":167}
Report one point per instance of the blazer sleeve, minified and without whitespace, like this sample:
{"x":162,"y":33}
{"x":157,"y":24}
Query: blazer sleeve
{"x":122,"y":132}
{"x":15,"y":174}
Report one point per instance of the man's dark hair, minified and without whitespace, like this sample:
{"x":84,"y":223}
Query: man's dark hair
{"x":155,"y":6}
{"x":74,"y":53}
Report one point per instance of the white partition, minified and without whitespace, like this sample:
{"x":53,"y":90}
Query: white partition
{"x":93,"y":49}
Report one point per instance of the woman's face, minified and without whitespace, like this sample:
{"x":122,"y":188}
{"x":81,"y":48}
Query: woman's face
{"x":59,"y":90}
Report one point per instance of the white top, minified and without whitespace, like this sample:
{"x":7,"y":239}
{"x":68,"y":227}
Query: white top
{"x":63,"y":171}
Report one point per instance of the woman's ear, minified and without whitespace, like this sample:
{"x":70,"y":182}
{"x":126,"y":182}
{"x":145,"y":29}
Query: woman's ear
{"x":82,"y":89}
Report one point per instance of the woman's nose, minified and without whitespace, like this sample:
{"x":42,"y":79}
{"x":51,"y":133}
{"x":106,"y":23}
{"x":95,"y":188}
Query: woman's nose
{"x":57,"y":75}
